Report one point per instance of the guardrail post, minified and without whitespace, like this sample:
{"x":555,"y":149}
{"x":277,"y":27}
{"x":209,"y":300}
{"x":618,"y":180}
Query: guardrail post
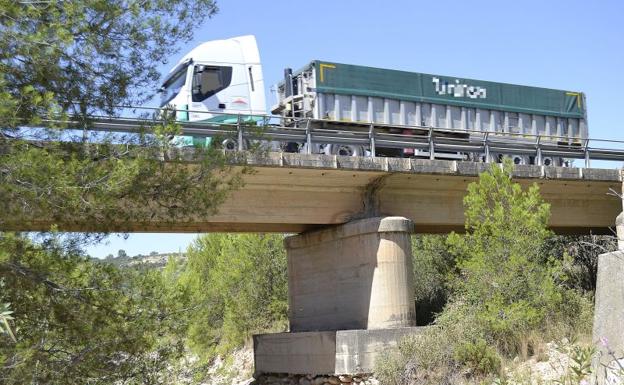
{"x":539,"y":150}
{"x":586,"y":149}
{"x":239,"y":131}
{"x":487,"y":147}
{"x":371,"y":137}
{"x":431,"y":144}
{"x":308,"y":137}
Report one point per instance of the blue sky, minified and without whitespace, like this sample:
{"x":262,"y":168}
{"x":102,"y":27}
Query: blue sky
{"x":572,"y":45}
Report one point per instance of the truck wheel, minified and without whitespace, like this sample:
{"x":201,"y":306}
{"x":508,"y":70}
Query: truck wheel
{"x":344,"y":150}
{"x":520,"y":159}
{"x":230,"y":144}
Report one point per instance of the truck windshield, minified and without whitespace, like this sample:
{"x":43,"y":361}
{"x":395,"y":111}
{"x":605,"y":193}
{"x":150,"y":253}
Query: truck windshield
{"x":173,"y":86}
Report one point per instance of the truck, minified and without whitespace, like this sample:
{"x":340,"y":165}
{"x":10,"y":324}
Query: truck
{"x":219,"y":81}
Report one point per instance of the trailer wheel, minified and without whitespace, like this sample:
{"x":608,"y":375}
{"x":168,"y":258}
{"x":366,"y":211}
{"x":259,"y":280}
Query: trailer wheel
{"x":520,"y":159}
{"x":344,"y":150}
{"x":230,"y":144}
{"x":548,"y":161}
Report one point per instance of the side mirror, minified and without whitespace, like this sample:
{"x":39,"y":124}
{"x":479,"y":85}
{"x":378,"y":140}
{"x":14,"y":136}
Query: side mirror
{"x":196,"y":86}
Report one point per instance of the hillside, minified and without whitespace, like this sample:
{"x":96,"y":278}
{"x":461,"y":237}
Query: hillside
{"x":154,"y":260}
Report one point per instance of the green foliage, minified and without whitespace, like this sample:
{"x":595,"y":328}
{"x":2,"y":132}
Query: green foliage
{"x":78,"y":321}
{"x":432,"y":264}
{"x":480,"y":358}
{"x":505,"y":296}
{"x":79,"y":58}
{"x":504,"y":278}
{"x":579,"y":366}
{"x":580,"y":262}
{"x":237,"y":285}
{"x":91,"y":54}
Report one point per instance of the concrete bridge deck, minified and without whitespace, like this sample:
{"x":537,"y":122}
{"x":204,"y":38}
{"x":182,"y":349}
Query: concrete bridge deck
{"x":298,"y":192}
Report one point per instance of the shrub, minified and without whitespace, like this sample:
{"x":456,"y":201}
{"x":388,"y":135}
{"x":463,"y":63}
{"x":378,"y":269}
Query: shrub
{"x":432,"y":264}
{"x":236,"y":285}
{"x":478,"y":357}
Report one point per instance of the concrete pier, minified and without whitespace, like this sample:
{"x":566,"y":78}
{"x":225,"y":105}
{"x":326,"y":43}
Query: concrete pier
{"x":350,"y":297}
{"x":608,"y":333}
{"x":353,"y":276}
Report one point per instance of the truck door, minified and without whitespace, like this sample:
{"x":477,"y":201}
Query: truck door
{"x":220,"y":90}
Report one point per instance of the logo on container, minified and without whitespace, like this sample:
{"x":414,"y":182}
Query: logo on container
{"x":459,"y":90}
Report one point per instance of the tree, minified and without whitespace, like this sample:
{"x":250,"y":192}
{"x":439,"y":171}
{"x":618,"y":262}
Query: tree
{"x":82,"y":322}
{"x":122,"y":254}
{"x":76,"y":321}
{"x":504,"y":279}
{"x":236,"y":285}
{"x":432,"y":265}
{"x":92,"y":56}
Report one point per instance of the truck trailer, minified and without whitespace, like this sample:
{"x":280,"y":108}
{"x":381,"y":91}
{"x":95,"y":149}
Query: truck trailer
{"x":221,"y":80}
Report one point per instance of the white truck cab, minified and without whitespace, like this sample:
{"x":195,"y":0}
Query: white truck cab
{"x":217,"y":81}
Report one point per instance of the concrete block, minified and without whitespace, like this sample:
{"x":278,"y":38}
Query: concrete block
{"x":561,"y":172}
{"x":310,"y":353}
{"x":398,"y":164}
{"x":527,"y":171}
{"x":352,"y":276}
{"x":358,"y":350}
{"x":473,"y":168}
{"x":429,"y":166}
{"x":309,"y":160}
{"x":599,"y":174}
{"x":335,"y":352}
{"x":609,"y":308}
{"x":360,"y":163}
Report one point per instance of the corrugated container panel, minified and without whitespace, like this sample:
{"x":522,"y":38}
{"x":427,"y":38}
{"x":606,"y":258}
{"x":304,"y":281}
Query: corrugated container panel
{"x":574,"y":127}
{"x":329,"y":106}
{"x":564,"y":126}
{"x":471,"y":115}
{"x":394,"y":112}
{"x":525,"y":123}
{"x":425,"y":109}
{"x":497,"y":121}
{"x":439,"y":117}
{"x":551,"y":126}
{"x":378,"y":110}
{"x":361,"y":105}
{"x":482,"y":120}
{"x":540,"y":124}
{"x":456,"y":122}
{"x":410,"y":114}
{"x":583,"y":128}
{"x":344,"y":106}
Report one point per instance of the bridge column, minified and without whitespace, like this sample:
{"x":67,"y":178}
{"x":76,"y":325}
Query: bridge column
{"x":608,"y":331}
{"x":350,"y":297}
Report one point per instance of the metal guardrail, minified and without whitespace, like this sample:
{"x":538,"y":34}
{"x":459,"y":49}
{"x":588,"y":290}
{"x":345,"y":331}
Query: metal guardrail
{"x":431,"y":140}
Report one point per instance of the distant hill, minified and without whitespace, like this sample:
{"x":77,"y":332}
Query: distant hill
{"x":152,"y":261}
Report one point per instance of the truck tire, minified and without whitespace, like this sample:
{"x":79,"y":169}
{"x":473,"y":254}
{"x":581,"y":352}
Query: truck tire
{"x":344,"y":150}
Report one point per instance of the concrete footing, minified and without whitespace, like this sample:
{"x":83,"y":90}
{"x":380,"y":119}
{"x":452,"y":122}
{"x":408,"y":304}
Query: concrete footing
{"x":328,"y":352}
{"x":350,"y":298}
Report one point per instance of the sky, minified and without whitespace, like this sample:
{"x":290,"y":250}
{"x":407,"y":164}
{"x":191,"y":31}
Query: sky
{"x":572,"y":45}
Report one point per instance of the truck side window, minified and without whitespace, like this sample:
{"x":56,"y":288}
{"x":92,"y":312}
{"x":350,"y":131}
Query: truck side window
{"x":208,"y":80}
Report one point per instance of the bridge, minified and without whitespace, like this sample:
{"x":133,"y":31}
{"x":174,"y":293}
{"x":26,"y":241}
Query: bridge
{"x":349,"y":269}
{"x":293,"y":193}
